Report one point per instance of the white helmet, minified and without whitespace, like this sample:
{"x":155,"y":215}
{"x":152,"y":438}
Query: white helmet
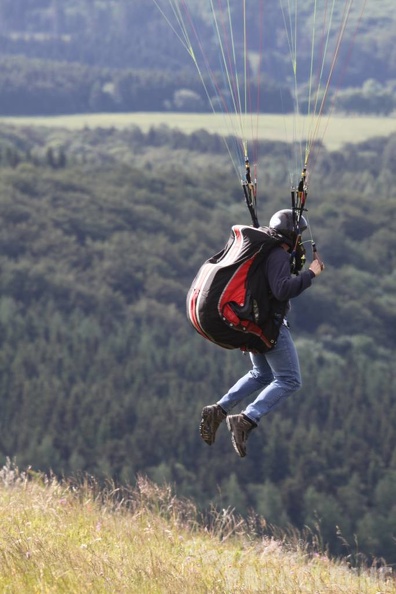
{"x":284,"y":222}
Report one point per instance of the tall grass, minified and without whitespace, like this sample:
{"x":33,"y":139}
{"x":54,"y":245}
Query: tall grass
{"x":72,"y":536}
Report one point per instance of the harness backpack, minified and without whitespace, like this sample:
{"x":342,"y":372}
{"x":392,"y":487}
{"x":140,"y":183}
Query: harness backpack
{"x":229,"y":301}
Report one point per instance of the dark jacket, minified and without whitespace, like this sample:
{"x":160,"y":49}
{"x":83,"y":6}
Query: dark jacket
{"x":283,"y":285}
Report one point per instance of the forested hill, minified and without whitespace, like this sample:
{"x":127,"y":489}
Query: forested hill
{"x":90,"y":55}
{"x":101,"y":234}
{"x":118,"y":34}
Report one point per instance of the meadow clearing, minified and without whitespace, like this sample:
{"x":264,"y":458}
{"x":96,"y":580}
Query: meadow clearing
{"x":334,"y":131}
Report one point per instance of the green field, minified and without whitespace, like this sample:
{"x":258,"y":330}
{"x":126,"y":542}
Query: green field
{"x":334,"y":131}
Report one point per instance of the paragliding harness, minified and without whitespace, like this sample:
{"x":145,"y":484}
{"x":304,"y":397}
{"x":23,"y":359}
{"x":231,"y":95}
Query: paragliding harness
{"x":229,"y":301}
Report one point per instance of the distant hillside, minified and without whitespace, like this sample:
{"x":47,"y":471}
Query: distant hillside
{"x":135,"y":35}
{"x":105,"y":40}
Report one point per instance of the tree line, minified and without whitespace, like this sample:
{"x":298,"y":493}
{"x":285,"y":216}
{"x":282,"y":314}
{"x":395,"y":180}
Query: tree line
{"x":91,"y":56}
{"x":119,"y":34}
{"x":42,"y":87}
{"x":101,"y":373}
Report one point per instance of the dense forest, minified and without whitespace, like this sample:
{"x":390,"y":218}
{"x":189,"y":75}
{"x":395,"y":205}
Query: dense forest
{"x":115,"y":33}
{"x":91,"y":56}
{"x":101,"y":234}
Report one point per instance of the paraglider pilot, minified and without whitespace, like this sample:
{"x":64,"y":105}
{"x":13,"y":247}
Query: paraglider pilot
{"x":275,"y":374}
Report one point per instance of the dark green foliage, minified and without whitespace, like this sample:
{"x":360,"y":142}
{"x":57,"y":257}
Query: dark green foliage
{"x":47,"y":87}
{"x":100,"y":371}
{"x":119,"y":34}
{"x":95,"y":56}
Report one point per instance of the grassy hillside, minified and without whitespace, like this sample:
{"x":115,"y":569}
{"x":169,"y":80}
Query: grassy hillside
{"x":71,"y":537}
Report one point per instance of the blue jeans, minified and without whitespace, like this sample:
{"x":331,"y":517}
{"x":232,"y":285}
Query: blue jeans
{"x":276,"y":373}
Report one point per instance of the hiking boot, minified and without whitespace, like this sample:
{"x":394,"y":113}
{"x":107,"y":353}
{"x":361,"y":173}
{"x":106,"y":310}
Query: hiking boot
{"x":240,"y":427}
{"x":211,"y":418}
